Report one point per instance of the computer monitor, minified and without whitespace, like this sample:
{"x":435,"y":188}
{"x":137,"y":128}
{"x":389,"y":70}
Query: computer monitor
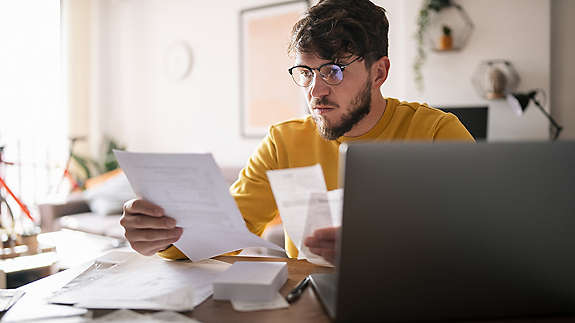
{"x":475,"y":119}
{"x":451,"y":231}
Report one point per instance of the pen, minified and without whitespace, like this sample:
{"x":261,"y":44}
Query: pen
{"x":295,"y":293}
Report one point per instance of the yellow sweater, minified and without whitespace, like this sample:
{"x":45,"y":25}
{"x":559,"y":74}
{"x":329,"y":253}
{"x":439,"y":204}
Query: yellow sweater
{"x":296,"y":143}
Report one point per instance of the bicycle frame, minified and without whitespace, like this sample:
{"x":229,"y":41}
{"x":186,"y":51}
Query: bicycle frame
{"x":7,"y":188}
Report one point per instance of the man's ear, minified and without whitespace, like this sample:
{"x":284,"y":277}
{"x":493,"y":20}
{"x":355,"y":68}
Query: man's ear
{"x":379,"y":71}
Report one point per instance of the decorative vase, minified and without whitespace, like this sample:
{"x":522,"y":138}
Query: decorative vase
{"x":497,"y":82}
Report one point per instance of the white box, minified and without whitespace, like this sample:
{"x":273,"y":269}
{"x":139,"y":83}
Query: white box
{"x":253,"y":281}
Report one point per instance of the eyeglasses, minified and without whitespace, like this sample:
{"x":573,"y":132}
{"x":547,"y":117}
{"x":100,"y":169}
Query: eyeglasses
{"x":331,"y":73}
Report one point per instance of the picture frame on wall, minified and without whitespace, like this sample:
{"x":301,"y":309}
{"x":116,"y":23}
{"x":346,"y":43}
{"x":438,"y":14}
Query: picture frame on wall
{"x":267,"y":92}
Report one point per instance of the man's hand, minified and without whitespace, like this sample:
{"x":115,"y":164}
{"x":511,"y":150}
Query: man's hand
{"x":324,"y":242}
{"x":147,"y":228}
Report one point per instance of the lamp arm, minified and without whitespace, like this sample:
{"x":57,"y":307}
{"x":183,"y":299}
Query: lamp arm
{"x":553,"y":122}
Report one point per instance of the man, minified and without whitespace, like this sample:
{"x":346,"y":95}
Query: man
{"x":341,"y":61}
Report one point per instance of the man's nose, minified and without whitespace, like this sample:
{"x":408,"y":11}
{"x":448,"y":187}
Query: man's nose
{"x":318,"y":87}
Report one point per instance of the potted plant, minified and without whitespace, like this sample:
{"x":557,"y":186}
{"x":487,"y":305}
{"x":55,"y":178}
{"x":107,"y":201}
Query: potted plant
{"x":446,"y":39}
{"x":422,"y":24}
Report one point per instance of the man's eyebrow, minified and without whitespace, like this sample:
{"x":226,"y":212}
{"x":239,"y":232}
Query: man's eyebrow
{"x":303,"y":65}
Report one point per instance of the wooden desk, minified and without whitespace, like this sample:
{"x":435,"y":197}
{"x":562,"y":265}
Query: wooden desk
{"x":307,"y":309}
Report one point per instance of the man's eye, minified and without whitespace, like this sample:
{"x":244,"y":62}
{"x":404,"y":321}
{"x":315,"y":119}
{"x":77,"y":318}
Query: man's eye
{"x":306,"y":73}
{"x":330,"y":70}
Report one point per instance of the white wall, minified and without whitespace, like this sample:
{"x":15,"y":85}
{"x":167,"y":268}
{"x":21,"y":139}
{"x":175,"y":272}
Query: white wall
{"x":141,"y":107}
{"x":77,"y":28}
{"x":503,"y":30}
{"x":563,"y":66}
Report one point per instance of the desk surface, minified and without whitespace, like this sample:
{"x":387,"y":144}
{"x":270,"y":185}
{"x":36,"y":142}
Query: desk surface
{"x":307,"y":309}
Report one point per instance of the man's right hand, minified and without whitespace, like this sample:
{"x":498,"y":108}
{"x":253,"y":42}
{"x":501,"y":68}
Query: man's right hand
{"x":147,"y":228}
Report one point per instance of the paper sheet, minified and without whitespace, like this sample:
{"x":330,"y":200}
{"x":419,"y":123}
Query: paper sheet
{"x":305,"y":205}
{"x":292,"y":188}
{"x":140,"y":282}
{"x":319,"y":216}
{"x":335,"y":198}
{"x":35,"y":297}
{"x":191,"y":189}
{"x":127,"y":316}
{"x":276,"y":303}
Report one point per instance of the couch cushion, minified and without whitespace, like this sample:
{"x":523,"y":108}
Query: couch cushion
{"x":107,"y":225}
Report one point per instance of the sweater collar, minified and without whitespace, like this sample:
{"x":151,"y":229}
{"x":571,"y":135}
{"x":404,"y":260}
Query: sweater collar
{"x":379,"y":128}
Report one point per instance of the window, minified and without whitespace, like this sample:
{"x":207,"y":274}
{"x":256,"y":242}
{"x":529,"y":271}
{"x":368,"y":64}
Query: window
{"x":33,"y":116}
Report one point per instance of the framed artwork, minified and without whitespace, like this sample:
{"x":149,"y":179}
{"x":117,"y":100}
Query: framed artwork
{"x":267,"y":92}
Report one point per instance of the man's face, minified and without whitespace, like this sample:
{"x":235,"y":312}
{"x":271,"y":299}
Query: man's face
{"x":336,"y":109}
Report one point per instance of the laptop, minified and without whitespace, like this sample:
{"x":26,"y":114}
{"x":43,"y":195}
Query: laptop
{"x":452,"y":231}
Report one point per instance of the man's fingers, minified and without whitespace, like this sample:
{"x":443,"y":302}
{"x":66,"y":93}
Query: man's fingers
{"x":141,"y":206}
{"x":147,"y":222}
{"x":148,"y":248}
{"x":313,"y":242}
{"x":327,"y":233}
{"x":327,"y":254}
{"x":323,"y":243}
{"x":139,"y":235}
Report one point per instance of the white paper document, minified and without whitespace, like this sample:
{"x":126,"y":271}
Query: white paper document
{"x":305,"y":205}
{"x":191,"y":189}
{"x":127,"y":316}
{"x":276,"y":303}
{"x":139,"y":282}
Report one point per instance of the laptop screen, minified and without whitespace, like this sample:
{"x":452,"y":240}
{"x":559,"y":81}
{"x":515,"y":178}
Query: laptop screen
{"x":456,"y":231}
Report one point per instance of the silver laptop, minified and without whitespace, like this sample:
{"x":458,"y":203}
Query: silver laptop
{"x":451,"y":231}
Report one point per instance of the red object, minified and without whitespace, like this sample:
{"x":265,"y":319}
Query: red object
{"x":22,"y":205}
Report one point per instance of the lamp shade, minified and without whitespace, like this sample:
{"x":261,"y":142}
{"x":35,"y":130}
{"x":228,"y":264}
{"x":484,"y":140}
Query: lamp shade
{"x":519,"y":101}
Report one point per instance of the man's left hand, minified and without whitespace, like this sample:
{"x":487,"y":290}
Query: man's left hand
{"x":324,"y":242}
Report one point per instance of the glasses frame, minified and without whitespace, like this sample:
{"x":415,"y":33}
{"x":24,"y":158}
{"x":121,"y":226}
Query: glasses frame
{"x":318,"y":69}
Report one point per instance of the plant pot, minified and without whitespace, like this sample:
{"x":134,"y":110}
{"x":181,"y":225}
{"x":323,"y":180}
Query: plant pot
{"x":445,"y":42}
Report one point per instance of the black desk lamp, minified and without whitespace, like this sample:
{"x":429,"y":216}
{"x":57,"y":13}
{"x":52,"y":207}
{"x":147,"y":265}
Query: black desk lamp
{"x":519,"y":103}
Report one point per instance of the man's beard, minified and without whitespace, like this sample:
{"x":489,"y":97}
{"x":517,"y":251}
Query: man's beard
{"x":361,"y":106}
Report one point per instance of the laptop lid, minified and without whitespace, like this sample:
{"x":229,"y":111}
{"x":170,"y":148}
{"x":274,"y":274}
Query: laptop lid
{"x":456,"y":231}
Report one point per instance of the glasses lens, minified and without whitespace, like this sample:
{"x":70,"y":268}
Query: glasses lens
{"x":302,"y":76}
{"x":331,"y":73}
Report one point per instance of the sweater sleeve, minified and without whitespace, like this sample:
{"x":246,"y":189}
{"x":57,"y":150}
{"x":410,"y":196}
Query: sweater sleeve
{"x":252,"y":190}
{"x":450,"y":128}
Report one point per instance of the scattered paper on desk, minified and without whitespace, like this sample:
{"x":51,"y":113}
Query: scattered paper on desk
{"x":35,"y":298}
{"x":191,"y":189}
{"x":131,"y":316}
{"x":251,"y":281}
{"x":141,"y":282}
{"x":277,"y":303}
{"x":9,"y":297}
{"x":128,"y":316}
{"x":166,"y":316}
{"x":305,"y":205}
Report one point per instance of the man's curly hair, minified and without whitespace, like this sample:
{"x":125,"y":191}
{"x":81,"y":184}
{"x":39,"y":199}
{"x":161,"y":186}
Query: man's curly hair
{"x":336,"y":29}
